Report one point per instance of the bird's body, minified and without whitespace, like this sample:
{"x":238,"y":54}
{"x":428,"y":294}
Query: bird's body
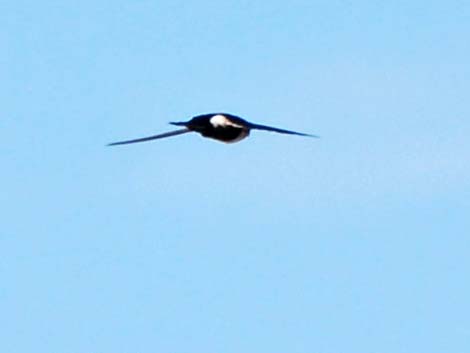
{"x":223,"y":127}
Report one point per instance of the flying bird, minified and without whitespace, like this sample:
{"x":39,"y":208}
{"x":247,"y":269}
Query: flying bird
{"x":223,"y":127}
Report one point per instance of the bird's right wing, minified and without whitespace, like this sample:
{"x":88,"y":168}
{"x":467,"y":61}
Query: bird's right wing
{"x":154,"y":137}
{"x":281,"y":131}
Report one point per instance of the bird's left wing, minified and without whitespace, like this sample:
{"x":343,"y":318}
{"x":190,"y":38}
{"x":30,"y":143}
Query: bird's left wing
{"x":154,"y":137}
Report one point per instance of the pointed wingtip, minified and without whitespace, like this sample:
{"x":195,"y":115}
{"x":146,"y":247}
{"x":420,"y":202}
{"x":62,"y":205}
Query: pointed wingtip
{"x":114,"y":144}
{"x":154,"y":137}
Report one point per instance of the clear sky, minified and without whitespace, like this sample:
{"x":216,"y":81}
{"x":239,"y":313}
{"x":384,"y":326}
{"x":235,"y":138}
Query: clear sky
{"x":358,"y":242}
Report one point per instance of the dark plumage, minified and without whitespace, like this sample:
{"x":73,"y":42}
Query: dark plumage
{"x":219,"y":126}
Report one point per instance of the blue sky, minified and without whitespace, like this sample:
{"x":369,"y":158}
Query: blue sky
{"x":357,"y":242}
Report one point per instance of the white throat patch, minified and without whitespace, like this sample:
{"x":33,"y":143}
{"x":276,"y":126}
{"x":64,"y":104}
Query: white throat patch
{"x":222,"y":121}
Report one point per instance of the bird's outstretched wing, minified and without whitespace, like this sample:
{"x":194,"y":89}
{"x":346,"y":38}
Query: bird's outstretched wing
{"x":154,"y":137}
{"x":281,"y":131}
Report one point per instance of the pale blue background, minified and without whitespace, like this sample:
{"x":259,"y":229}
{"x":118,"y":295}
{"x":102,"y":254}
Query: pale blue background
{"x":357,"y":242}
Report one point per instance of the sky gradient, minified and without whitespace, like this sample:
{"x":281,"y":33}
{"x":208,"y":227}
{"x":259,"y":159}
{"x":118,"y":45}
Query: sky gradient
{"x":355,"y":242}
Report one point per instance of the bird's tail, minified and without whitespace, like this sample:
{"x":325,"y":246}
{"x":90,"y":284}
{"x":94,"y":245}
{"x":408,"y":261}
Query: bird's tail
{"x":179,"y":123}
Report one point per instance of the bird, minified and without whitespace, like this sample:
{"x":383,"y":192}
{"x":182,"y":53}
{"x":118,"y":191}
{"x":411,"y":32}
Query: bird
{"x":222,"y":127}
